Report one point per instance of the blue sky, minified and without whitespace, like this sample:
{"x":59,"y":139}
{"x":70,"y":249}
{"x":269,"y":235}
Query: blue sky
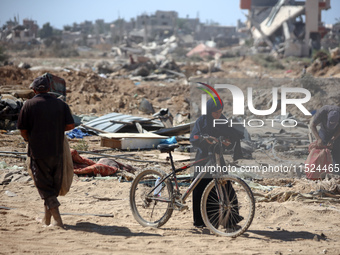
{"x":66,"y":12}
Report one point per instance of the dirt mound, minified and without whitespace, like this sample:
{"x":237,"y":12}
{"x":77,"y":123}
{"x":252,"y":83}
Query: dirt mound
{"x":12,"y":75}
{"x":91,"y":93}
{"x":88,"y":92}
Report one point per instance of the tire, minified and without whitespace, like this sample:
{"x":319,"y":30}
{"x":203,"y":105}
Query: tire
{"x":147,"y":211}
{"x":236,"y":214}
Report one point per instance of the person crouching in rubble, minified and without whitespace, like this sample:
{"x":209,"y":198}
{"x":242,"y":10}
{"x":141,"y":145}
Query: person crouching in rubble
{"x":42,"y":122}
{"x":204,"y":126}
{"x":328,"y":117}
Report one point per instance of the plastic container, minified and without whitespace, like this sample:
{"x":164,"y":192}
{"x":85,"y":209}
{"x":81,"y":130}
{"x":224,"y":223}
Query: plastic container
{"x":158,"y":189}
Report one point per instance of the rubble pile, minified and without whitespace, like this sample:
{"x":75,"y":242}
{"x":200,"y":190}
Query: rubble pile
{"x":89,"y":92}
{"x":325,"y":63}
{"x":13,"y":174}
{"x":138,"y":85}
{"x":10,"y":107}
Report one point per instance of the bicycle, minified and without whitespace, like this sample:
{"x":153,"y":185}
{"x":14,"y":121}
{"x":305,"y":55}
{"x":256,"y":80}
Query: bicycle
{"x":227,"y":204}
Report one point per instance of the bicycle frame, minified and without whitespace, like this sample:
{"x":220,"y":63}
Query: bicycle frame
{"x":194,"y":183}
{"x":226,"y":201}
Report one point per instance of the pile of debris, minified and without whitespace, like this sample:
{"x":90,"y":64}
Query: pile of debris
{"x":325,"y":191}
{"x":89,"y":92}
{"x":129,"y":132}
{"x":10,"y":107}
{"x":289,"y":28}
{"x":13,"y":174}
{"x":323,"y":62}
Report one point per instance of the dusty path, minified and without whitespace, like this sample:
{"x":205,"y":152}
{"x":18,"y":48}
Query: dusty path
{"x":278,"y":228}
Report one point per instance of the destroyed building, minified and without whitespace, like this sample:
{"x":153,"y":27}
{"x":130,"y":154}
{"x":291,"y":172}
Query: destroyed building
{"x":289,"y":27}
{"x":144,"y":28}
{"x":161,"y":24}
{"x":13,"y":32}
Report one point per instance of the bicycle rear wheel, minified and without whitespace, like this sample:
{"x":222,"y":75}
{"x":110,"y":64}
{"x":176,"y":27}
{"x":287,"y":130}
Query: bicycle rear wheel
{"x":151,"y":209}
{"x":228,"y":206}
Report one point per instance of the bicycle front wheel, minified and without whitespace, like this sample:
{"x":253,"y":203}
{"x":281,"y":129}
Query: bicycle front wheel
{"x":151,"y":208}
{"x":228,"y":206}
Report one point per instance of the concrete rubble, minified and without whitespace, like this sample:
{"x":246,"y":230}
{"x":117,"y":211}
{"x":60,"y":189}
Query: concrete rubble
{"x":10,"y":107}
{"x":13,"y":174}
{"x":172,"y":62}
{"x":288,"y":28}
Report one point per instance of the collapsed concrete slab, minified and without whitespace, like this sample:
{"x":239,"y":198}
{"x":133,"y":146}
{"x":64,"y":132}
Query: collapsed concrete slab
{"x":291,"y":28}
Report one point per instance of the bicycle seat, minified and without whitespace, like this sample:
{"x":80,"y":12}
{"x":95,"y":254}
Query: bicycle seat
{"x":167,"y":147}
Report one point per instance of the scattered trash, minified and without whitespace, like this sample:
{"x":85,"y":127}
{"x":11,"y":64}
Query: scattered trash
{"x":10,"y":193}
{"x":3,"y":165}
{"x":77,"y":133}
{"x":171,"y":140}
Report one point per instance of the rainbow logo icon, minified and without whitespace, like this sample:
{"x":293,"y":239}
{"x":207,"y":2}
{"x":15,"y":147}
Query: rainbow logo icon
{"x":209,"y":93}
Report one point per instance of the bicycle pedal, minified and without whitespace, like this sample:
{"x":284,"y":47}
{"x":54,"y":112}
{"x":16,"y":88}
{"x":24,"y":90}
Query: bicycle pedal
{"x":181,"y":207}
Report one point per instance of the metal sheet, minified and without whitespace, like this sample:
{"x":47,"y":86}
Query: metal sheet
{"x":106,"y":122}
{"x":175,"y":131}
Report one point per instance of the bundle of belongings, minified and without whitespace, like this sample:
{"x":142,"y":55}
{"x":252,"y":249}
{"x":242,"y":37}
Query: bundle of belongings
{"x":76,"y":164}
{"x":318,"y":162}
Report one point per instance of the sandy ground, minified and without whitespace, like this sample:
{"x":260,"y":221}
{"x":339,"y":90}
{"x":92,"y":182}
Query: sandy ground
{"x":98,"y":219}
{"x":278,"y":228}
{"x":96,"y":212}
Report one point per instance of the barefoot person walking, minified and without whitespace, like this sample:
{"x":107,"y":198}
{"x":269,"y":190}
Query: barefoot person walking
{"x":42,"y":122}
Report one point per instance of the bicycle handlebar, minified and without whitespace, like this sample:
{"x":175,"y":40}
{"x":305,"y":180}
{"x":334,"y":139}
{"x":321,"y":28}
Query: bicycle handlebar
{"x":212,"y":139}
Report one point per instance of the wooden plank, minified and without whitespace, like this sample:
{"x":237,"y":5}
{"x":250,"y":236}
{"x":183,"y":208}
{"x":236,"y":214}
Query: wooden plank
{"x":130,"y":143}
{"x":112,"y":143}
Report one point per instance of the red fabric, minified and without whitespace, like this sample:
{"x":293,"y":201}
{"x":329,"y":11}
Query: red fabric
{"x":79,"y":159}
{"x":95,"y":169}
{"x":86,"y":166}
{"x":83,"y":165}
{"x":318,"y":161}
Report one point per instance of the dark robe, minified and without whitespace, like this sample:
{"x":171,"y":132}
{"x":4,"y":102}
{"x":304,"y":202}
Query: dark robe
{"x":204,"y":126}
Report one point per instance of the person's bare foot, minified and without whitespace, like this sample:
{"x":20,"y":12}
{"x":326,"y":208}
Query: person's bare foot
{"x":47,"y":218}
{"x":56,"y":216}
{"x":54,"y":224}
{"x":41,"y":221}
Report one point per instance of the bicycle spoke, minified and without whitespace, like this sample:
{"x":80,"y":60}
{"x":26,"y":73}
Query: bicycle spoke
{"x":231,"y":211}
{"x":149,"y":202}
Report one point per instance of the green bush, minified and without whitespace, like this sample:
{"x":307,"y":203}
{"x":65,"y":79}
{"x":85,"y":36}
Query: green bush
{"x":267,"y":61}
{"x":82,"y":145}
{"x":65,"y":53}
{"x":301,"y":60}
